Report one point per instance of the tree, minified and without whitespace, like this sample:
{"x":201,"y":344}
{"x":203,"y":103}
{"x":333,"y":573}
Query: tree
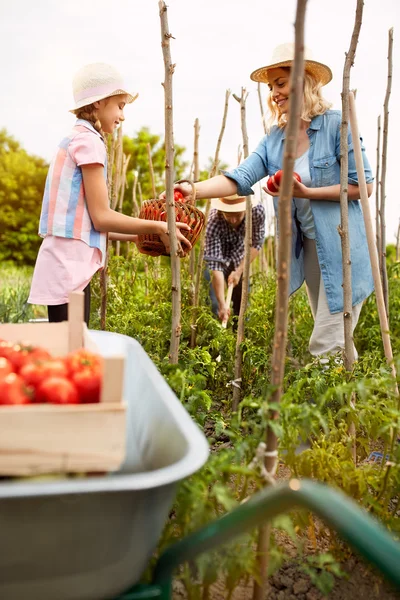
{"x":139,"y":162}
{"x":22,"y":180}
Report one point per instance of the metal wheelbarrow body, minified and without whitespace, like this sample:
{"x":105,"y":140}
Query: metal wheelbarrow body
{"x":91,"y":538}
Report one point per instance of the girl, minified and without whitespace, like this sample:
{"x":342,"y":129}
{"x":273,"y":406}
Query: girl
{"x":76,"y":217}
{"x":316,"y":248}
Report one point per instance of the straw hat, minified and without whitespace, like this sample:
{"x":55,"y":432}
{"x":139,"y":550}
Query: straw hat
{"x":95,"y":82}
{"x":283,"y":56}
{"x":233,"y":203}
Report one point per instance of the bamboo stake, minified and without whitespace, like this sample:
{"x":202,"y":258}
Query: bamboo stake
{"x":196,"y":177}
{"x":283,"y":269}
{"x":370,"y":237}
{"x":169,"y":69}
{"x":377,"y":190}
{"x":246,"y":266}
{"x":199,"y":271}
{"x":398,"y":243}
{"x":151,"y":169}
{"x":261,"y":107}
{"x":383,"y":173}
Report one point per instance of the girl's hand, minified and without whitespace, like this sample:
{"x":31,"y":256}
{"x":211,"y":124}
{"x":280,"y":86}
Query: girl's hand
{"x":184,"y":188}
{"x":180,"y":237}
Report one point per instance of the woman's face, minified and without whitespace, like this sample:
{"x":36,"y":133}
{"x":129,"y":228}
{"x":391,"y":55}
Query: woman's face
{"x":279,"y":88}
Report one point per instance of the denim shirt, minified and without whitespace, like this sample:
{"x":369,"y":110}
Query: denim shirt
{"x":324,"y":163}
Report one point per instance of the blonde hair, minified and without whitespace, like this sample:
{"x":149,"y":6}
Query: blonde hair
{"x":313,"y":103}
{"x":89,"y":113}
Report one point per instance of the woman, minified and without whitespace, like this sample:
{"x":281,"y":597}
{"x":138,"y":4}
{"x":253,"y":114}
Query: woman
{"x":316,"y":248}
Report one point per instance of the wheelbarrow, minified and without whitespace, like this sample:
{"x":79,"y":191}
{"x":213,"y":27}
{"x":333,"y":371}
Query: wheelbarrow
{"x":91,"y":538}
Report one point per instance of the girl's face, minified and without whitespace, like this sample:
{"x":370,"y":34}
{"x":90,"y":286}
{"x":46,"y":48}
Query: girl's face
{"x":110,"y":112}
{"x":279,"y":88}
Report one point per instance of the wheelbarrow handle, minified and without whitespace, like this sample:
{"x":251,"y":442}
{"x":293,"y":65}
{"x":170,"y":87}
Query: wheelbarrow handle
{"x":350,"y":521}
{"x":228,"y":303}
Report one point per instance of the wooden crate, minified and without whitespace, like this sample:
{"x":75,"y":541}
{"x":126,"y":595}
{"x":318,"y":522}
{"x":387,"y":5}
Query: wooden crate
{"x":49,"y":438}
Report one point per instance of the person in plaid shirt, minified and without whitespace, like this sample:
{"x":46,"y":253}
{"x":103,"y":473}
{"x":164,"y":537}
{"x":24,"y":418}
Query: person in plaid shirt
{"x":224,"y":250}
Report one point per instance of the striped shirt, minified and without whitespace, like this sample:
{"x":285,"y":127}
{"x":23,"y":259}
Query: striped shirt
{"x":224,"y":250}
{"x":64,"y":210}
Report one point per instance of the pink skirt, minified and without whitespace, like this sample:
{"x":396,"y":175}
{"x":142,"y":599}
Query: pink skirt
{"x":63,"y":265}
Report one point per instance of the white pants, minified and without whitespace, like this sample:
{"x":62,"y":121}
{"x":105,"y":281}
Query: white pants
{"x":328,"y":333}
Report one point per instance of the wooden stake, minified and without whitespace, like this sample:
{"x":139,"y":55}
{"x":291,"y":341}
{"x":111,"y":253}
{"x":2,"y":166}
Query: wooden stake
{"x":370,"y":237}
{"x":377,"y":190}
{"x":196,"y":177}
{"x":135,"y":207}
{"x":383,"y":173}
{"x":283,"y":268}
{"x":349,"y":356}
{"x":199,"y":271}
{"x":125,"y":162}
{"x":228,"y":300}
{"x":261,"y":107}
{"x":151,"y":169}
{"x":246,"y":266}
{"x":169,"y":186}
{"x":104,"y":272}
{"x":117,"y":170}
{"x":398,"y":243}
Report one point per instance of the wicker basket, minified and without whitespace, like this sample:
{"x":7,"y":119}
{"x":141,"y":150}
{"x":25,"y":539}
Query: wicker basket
{"x":156,"y":210}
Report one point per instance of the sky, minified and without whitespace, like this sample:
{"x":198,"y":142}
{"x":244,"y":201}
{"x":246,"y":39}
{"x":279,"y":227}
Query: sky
{"x":217,"y":44}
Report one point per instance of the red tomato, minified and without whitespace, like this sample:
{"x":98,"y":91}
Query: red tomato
{"x":178,"y":196}
{"x":279,"y":174}
{"x":271,"y":184}
{"x":14,"y":391}
{"x":274,"y":181}
{"x":88,"y":383}
{"x":33,"y":373}
{"x":5,"y":367}
{"x":82,"y":359}
{"x":22,"y":353}
{"x":57,"y":390}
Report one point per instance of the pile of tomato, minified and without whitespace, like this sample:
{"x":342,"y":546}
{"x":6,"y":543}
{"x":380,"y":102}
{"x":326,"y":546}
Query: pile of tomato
{"x":30,"y":375}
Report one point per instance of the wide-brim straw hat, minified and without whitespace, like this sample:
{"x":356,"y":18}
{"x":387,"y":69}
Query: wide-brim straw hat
{"x":233,"y":203}
{"x":98,"y":81}
{"x":283,"y":56}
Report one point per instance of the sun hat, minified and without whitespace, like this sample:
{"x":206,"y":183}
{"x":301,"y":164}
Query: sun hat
{"x":283,"y":56}
{"x":233,"y":203}
{"x":95,"y":82}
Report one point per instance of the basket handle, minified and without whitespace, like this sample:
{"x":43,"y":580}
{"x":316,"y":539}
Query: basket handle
{"x":190,"y":182}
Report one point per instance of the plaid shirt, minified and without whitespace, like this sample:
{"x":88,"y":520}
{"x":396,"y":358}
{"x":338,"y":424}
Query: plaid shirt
{"x":224,"y":249}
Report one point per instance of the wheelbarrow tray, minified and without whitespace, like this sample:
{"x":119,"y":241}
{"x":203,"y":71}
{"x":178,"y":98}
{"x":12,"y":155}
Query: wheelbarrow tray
{"x":91,"y":538}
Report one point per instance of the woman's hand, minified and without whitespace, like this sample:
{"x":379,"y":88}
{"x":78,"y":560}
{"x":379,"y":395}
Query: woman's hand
{"x":299,"y":190}
{"x":164,"y":236}
{"x":184,"y":188}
